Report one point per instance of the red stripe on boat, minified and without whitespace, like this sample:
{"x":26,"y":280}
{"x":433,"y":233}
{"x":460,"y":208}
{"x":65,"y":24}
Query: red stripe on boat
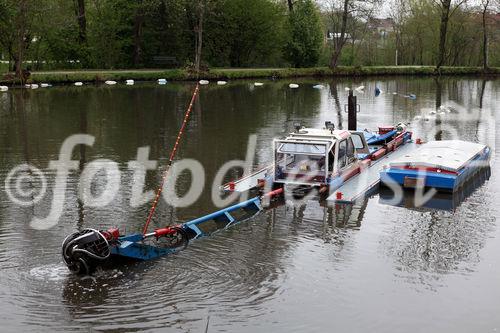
{"x":350,"y":173}
{"x":378,"y":154}
{"x":425,"y":169}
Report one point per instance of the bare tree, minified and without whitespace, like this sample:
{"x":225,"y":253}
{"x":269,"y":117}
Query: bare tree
{"x":398,"y":13}
{"x":485,"y":8}
{"x":446,"y":9}
{"x":343,"y":16}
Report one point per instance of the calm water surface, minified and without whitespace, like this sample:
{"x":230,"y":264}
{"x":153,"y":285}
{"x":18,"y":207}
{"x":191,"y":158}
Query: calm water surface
{"x":371,"y":267}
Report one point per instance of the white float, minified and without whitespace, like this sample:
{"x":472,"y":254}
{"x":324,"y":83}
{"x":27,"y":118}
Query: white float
{"x":318,"y":86}
{"x":204,"y":82}
{"x":34,"y":86}
{"x":293,"y":85}
{"x":110,"y":82}
{"x":4,"y":88}
{"x":360,"y":89}
{"x":129,"y":82}
{"x":78,"y":84}
{"x":221,"y":83}
{"x":258,"y":84}
{"x":347,"y":88}
{"x":45,"y":85}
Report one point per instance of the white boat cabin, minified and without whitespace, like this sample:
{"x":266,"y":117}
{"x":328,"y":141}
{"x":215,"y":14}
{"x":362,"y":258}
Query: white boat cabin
{"x":312,"y":156}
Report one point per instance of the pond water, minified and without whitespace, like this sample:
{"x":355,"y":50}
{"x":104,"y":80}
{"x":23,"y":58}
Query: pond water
{"x":369,"y":267}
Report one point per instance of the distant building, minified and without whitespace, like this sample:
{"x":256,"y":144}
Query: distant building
{"x":330,"y":36}
{"x":382,"y":27}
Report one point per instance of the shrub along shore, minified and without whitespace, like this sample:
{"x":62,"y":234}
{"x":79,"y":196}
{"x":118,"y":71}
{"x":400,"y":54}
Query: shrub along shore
{"x":66,"y":76}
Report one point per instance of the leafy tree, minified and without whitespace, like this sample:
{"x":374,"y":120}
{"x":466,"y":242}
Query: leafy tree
{"x":305,"y":34}
{"x":16,"y":29}
{"x":245,"y":33}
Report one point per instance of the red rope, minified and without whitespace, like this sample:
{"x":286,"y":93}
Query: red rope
{"x":171,"y":158}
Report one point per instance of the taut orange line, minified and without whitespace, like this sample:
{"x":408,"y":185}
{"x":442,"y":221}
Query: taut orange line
{"x":171,"y":158}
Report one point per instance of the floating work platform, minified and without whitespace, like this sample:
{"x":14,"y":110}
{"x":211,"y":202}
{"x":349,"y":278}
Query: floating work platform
{"x":443,"y":165}
{"x":440,"y":200}
{"x":368,"y":179}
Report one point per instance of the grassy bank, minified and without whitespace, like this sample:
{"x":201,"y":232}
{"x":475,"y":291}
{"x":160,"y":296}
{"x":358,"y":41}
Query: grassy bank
{"x":247,"y":73}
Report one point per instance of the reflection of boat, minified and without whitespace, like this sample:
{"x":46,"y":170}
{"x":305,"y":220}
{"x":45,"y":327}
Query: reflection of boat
{"x":443,"y":165}
{"x":443,"y":201}
{"x":325,"y":158}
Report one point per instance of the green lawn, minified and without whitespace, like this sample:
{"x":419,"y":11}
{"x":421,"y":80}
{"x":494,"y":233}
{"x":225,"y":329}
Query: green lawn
{"x":67,"y":76}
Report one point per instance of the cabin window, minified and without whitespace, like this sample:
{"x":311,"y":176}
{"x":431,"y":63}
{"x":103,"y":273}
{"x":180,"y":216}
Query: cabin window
{"x":302,"y":148}
{"x":341,"y":157}
{"x":350,"y":148}
{"x":331,"y":158}
{"x":357,"y":141}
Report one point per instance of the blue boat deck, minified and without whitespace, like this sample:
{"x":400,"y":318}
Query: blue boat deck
{"x":365,"y":182}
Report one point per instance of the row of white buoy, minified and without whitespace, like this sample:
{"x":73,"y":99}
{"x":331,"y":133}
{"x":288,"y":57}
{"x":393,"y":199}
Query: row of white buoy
{"x":164,"y":81}
{"x":36,"y":86}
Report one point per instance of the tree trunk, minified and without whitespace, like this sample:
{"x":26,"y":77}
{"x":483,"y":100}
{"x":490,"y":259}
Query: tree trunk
{"x":138,"y":25}
{"x":339,"y":44}
{"x":290,"y":5}
{"x":445,"y":15}
{"x":485,"y":36}
{"x":82,"y":21}
{"x":21,"y":38}
{"x":199,"y":41}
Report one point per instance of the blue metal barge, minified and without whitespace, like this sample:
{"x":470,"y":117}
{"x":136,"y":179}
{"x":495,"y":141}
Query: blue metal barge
{"x":443,"y":165}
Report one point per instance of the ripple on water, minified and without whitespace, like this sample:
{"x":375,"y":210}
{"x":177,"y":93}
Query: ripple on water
{"x":53,"y":272}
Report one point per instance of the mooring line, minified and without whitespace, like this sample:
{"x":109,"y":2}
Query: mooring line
{"x":171,"y":158}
